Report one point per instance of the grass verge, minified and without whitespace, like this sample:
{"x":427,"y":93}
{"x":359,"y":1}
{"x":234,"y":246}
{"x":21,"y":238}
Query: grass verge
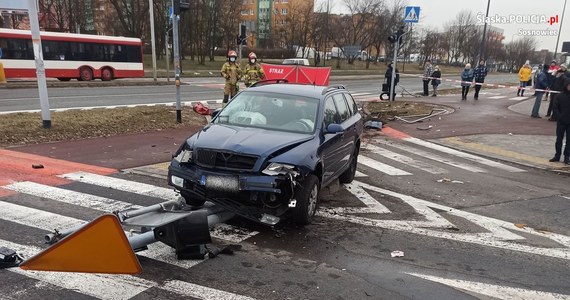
{"x":26,"y":128}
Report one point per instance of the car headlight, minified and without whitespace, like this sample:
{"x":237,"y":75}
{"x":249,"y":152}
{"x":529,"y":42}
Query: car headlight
{"x":278,"y":169}
{"x":184,"y":154}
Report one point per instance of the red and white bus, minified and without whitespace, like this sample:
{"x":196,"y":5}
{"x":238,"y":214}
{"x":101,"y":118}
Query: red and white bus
{"x":66,"y":55}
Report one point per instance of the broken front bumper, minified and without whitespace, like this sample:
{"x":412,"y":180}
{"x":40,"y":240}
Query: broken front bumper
{"x":233,"y":191}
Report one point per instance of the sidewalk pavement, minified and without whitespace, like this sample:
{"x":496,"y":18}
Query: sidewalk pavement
{"x":494,"y":128}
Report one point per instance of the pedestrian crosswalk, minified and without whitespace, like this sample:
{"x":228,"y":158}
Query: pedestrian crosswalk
{"x":87,"y":195}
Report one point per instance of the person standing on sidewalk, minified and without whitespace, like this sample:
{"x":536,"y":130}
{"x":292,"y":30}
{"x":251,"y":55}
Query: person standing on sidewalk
{"x":562,"y":109}
{"x":388,"y":76}
{"x":557,"y":86}
{"x":466,"y":79}
{"x":524,"y":76}
{"x":232,"y":73}
{"x":535,"y":76}
{"x":435,"y":80}
{"x":541,"y":83}
{"x":551,"y":72}
{"x":479,"y":74}
{"x":428,"y":70}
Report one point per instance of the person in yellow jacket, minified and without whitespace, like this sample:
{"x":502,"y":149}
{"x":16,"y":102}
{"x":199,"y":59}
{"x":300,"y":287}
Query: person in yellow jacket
{"x":253,"y":71}
{"x":231,"y":71}
{"x":525,"y":74}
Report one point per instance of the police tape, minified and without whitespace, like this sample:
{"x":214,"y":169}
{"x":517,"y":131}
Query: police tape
{"x":484,"y":84}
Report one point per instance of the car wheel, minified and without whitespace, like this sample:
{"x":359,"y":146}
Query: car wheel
{"x":307,"y":195}
{"x":348,"y":175}
{"x":192,"y":201}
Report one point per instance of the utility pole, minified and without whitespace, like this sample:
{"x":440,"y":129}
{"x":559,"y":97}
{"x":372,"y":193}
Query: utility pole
{"x":175,"y":44}
{"x":40,"y":68}
{"x":153,"y":42}
{"x":396,"y":39}
{"x":166,"y":42}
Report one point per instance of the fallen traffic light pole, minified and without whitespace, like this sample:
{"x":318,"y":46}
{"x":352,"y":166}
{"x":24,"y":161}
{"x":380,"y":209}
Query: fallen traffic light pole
{"x":103,"y":245}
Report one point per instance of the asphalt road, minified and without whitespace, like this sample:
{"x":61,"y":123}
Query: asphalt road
{"x":192,"y":90}
{"x":458,"y":236}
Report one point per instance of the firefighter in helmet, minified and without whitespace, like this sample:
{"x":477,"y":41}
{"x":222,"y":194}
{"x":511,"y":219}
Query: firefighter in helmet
{"x":231,"y":71}
{"x":253,"y":71}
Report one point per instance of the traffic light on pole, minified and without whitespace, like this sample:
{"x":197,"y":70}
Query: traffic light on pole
{"x":180,"y":6}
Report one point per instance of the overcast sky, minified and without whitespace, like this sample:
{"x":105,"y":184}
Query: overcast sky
{"x":435,"y":13}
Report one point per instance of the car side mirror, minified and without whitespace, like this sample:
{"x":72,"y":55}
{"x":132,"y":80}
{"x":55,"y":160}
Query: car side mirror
{"x":215,"y":112}
{"x":334,"y":128}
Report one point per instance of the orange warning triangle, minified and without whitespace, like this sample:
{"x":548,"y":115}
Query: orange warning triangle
{"x":98,"y":247}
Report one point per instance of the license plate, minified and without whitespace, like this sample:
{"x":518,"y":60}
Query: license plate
{"x":224,"y":184}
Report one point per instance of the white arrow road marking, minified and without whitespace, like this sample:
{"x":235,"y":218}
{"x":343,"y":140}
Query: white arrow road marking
{"x":372,"y":206}
{"x":404,"y":159}
{"x":491,"y":290}
{"x":360,"y":174}
{"x":378,"y":166}
{"x":500,"y":234}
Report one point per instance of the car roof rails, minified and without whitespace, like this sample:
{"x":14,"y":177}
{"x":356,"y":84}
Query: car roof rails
{"x":333,"y":87}
{"x":269,"y":81}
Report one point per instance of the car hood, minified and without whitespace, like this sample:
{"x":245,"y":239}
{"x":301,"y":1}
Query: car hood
{"x":246,"y":140}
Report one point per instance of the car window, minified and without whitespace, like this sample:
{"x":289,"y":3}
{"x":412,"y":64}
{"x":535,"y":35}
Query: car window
{"x":330,"y":112}
{"x":351,"y":104}
{"x":341,"y":107}
{"x":271,"y":111}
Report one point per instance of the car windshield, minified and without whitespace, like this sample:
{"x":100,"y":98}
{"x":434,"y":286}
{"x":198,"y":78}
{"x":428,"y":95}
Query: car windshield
{"x":271,"y":111}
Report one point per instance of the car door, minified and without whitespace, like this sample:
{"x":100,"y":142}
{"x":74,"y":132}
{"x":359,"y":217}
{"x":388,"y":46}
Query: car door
{"x":347,"y":136}
{"x":354,"y":123}
{"x":331,"y":147}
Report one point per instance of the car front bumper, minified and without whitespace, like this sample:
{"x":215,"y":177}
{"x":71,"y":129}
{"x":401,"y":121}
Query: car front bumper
{"x":231,"y":190}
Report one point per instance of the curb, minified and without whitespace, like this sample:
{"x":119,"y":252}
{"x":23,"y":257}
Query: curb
{"x":55,"y":84}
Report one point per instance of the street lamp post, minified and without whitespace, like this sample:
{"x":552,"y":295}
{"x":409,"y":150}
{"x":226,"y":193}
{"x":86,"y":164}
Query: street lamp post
{"x":482,"y":48}
{"x":560,"y":29}
{"x":151,"y":13}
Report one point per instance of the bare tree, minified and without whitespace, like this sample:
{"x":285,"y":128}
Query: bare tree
{"x":321,"y":31}
{"x":228,"y":22}
{"x":132,"y":16}
{"x":65,"y":15}
{"x":355,"y":28}
{"x":458,"y":34}
{"x":519,"y":51}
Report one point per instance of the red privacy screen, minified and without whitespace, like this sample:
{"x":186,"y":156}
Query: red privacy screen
{"x":298,"y":74}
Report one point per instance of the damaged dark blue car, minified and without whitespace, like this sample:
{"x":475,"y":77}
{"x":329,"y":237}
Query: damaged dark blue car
{"x":268,"y":153}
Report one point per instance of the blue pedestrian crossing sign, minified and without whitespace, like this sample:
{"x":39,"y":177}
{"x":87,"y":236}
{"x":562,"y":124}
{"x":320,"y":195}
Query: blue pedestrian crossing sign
{"x":412,"y":14}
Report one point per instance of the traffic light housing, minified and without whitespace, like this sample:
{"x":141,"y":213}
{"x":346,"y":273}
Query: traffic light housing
{"x":398,"y":35}
{"x":180,"y":6}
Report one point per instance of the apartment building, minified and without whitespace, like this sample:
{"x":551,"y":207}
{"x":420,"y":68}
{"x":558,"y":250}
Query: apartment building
{"x":266,"y":19}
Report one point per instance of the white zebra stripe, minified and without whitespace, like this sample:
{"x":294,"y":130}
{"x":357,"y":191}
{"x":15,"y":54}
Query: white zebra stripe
{"x":405,"y":160}
{"x":464,"y":155}
{"x":382,"y":167}
{"x":70,"y":197}
{"x":194,"y":290}
{"x":123,"y":185}
{"x":435,"y":157}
